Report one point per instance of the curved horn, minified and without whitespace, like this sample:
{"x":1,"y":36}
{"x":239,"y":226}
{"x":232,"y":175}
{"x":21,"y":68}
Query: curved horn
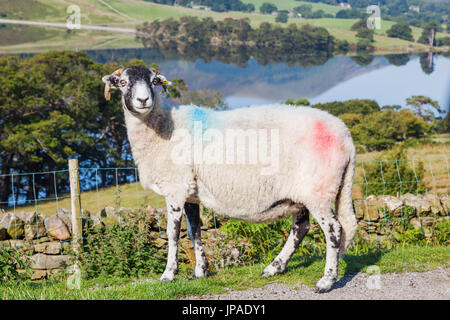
{"x":116,"y":73}
{"x":107,"y":92}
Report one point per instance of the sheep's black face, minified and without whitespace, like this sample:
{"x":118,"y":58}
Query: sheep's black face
{"x":136,"y":85}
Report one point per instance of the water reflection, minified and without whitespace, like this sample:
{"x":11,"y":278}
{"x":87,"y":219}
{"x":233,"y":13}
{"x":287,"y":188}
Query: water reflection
{"x":246,"y":77}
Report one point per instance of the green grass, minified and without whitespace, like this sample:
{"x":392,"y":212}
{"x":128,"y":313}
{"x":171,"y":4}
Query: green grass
{"x":306,"y":270}
{"x":131,"y":196}
{"x":290,"y":4}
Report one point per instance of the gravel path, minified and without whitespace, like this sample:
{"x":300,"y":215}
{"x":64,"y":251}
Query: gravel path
{"x":433,"y":285}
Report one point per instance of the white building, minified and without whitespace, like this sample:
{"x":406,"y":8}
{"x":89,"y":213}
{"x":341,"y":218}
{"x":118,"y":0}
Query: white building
{"x":414,"y":8}
{"x":345,"y":5}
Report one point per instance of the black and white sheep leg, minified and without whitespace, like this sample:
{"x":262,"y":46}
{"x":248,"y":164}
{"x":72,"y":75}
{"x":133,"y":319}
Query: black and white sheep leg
{"x":174,"y":213}
{"x":332,"y":230}
{"x":300,"y":227}
{"x":193,"y":222}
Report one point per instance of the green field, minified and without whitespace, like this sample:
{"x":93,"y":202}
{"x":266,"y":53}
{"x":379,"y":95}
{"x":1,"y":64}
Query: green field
{"x":289,"y":4}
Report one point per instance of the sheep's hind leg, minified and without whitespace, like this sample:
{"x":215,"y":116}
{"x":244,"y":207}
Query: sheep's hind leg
{"x":194,"y":230}
{"x":174,"y":213}
{"x":300,"y":227}
{"x":332,"y":230}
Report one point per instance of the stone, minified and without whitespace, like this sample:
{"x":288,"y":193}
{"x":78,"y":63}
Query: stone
{"x":208,"y":221}
{"x":111,"y":213}
{"x":20,"y":244}
{"x":423,"y":207}
{"x":416,"y":223}
{"x":392,"y":204}
{"x":160,"y":243}
{"x":187,"y":251}
{"x":428,"y":232}
{"x":106,"y":212}
{"x":66,"y":216}
{"x":42,"y":261}
{"x":34,"y":225}
{"x":445,"y":202}
{"x":54,"y":247}
{"x":161,"y":216}
{"x":57,"y":228}
{"x":436,"y":207}
{"x":39,"y":274}
{"x":41,"y":240}
{"x":183,"y":234}
{"x":370,"y":209}
{"x":13,"y":225}
{"x":427,"y":221}
{"x":55,"y":273}
{"x":359,"y":208}
{"x":97,"y":224}
{"x":3,"y":233}
{"x":151,"y":217}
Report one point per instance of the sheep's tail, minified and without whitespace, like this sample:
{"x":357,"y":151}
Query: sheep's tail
{"x":344,"y":204}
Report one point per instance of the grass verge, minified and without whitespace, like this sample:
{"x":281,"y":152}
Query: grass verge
{"x":302,"y":270}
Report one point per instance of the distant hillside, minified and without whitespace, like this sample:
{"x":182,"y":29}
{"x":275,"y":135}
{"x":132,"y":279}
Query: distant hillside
{"x":130,"y":13}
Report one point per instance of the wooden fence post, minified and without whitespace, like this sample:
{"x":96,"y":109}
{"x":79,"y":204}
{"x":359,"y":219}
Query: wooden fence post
{"x":75,"y":201}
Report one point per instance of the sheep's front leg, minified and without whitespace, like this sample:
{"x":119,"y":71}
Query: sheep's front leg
{"x":174,"y":212}
{"x":193,"y":222}
{"x":300,"y":227}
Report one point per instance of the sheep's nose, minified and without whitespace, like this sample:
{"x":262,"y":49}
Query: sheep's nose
{"x":143,"y":101}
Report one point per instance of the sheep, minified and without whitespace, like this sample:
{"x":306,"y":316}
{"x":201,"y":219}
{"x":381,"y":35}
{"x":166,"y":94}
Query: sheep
{"x":311,"y":166}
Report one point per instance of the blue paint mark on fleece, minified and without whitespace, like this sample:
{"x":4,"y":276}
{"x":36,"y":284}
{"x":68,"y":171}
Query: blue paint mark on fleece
{"x":200,"y":115}
{"x":207,"y":118}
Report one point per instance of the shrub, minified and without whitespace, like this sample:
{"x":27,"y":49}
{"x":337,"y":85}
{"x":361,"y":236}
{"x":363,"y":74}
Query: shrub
{"x":267,"y":8}
{"x":401,"y":31}
{"x":10,"y":262}
{"x":365,"y":33}
{"x":121,"y":250}
{"x":443,"y":42}
{"x":282,"y":17}
{"x":364,"y":44}
{"x":392,"y":177}
{"x":267,"y":239}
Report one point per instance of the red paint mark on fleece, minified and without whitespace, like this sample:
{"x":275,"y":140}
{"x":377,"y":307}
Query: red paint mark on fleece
{"x":323,"y":139}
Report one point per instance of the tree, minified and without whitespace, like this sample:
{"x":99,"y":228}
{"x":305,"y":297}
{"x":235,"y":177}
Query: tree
{"x":360,"y":24}
{"x":305,"y":10}
{"x":365,"y":33}
{"x":359,"y":106}
{"x":267,"y":8}
{"x":418,"y":103}
{"x":53,"y":108}
{"x":299,"y":102}
{"x":428,"y":36}
{"x":401,"y":31}
{"x":282,"y":17}
{"x":397,"y":59}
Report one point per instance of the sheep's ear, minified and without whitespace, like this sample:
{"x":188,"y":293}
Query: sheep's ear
{"x":111,"y":81}
{"x":160,"y":80}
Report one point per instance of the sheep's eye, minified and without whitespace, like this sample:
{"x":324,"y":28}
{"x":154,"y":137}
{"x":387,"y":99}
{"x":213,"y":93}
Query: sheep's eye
{"x":123,"y":83}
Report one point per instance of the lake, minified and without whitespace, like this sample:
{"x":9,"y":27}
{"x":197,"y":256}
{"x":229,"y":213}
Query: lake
{"x":389,"y":79}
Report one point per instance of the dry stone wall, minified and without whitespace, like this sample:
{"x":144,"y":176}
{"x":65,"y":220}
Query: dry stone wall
{"x":46,"y":240}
